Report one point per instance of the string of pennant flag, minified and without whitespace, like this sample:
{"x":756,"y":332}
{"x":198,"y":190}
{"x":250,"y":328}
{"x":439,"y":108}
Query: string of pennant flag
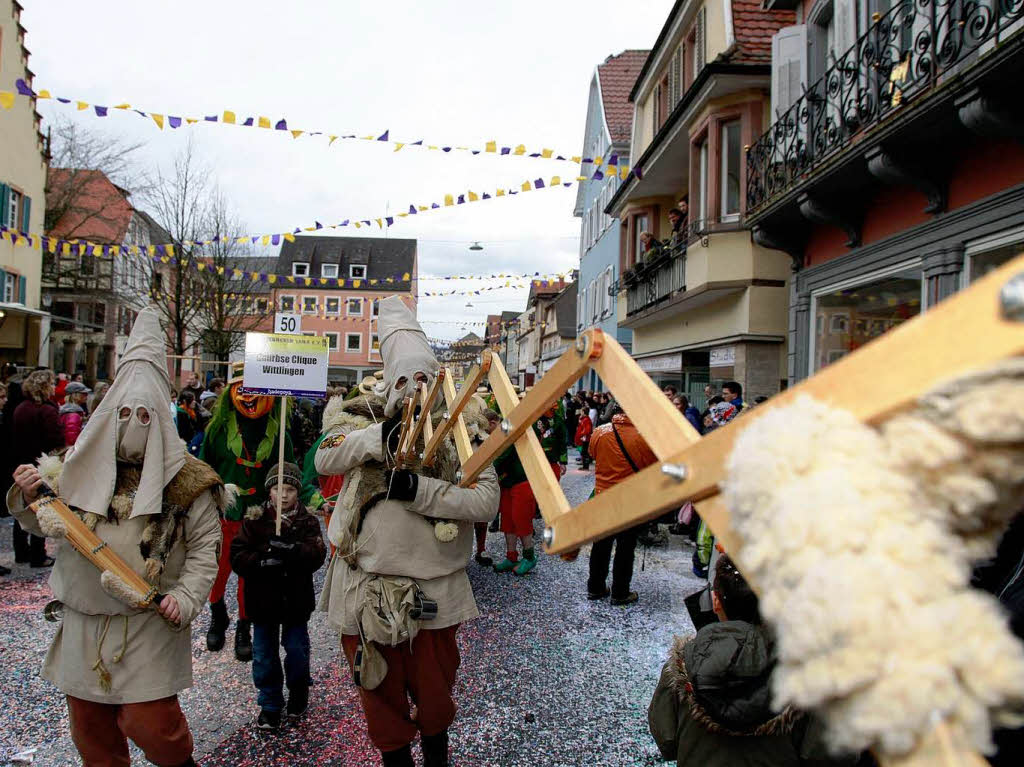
{"x":69,"y":246}
{"x":599,"y":163}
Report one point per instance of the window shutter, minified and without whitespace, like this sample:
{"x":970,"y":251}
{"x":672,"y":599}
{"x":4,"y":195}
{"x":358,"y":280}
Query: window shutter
{"x":26,"y":209}
{"x":844,"y":21}
{"x":789,"y":67}
{"x":21,"y":290}
{"x":699,"y":43}
{"x":4,"y":202}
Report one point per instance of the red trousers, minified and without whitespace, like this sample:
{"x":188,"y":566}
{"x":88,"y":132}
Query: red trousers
{"x":228,"y":530}
{"x":100,"y":732}
{"x":426,"y":673}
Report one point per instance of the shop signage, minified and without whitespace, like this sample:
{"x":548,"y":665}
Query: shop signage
{"x":722,"y":356}
{"x":661,"y":364}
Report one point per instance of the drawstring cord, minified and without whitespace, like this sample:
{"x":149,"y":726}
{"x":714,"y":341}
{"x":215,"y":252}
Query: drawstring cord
{"x":99,"y":667}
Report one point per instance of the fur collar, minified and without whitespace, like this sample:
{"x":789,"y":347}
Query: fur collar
{"x":679,"y":682}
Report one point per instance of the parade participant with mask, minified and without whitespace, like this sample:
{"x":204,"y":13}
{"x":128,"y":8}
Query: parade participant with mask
{"x":397,"y":588}
{"x":132,"y":483}
{"x":241,"y":444}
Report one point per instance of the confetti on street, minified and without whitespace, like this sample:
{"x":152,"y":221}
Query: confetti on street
{"x":547,"y":678}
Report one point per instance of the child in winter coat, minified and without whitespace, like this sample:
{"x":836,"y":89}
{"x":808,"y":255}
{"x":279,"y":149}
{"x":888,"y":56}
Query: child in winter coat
{"x":278,"y":592}
{"x":583,"y":431}
{"x":713,"y":704}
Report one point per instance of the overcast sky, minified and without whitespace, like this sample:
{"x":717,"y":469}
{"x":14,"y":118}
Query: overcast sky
{"x":447,"y":72}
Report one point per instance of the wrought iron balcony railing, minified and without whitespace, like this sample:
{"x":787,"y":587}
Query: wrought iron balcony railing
{"x":653,"y":281}
{"x":901,"y":56}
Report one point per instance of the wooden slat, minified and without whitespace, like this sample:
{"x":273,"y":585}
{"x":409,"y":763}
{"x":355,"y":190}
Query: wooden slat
{"x":963,"y":333}
{"x":455,"y":405}
{"x":565,"y":372}
{"x":403,"y":435}
{"x":651,"y":412}
{"x":425,"y":400}
{"x":426,"y":403}
{"x":458,"y":424}
{"x":546,"y":490}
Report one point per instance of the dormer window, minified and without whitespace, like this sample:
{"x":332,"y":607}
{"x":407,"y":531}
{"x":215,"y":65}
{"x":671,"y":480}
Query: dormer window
{"x":357,"y":271}
{"x":329,"y":270}
{"x":300,"y":269}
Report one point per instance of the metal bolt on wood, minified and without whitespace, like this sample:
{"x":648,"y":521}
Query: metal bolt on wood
{"x":676,"y":471}
{"x":1011,"y":298}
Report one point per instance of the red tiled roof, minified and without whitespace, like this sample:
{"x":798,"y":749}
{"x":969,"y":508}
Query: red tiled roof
{"x":754,"y":28}
{"x":100,"y":211}
{"x":616,"y":76}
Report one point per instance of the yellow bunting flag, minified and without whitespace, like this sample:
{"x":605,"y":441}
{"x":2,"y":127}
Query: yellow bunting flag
{"x":546,"y":153}
{"x":449,"y":200}
{"x":6,"y":99}
{"x":296,"y":133}
{"x":380,"y":223}
{"x":264,"y":122}
{"x":398,"y":145}
{"x":229,"y":118}
{"x":158,"y":119}
{"x":556,"y":180}
{"x":473,"y":197}
{"x":500,"y":193}
{"x":526,"y":186}
{"x":519,"y":150}
{"x":82,"y":106}
{"x":491,"y":146}
{"x":289,"y":236}
{"x":266,"y":239}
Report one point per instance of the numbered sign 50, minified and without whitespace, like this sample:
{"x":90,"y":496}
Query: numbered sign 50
{"x":288,"y":323}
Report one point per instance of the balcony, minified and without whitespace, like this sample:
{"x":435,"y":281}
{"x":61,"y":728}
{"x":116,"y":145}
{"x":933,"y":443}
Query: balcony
{"x":906,"y":54}
{"x":654,"y":281}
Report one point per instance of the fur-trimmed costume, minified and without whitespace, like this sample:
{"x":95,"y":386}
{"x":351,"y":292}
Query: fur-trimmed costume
{"x":131,"y":480}
{"x":390,"y":559}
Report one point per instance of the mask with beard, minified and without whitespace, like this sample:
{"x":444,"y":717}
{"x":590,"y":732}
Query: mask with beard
{"x":132,"y":434}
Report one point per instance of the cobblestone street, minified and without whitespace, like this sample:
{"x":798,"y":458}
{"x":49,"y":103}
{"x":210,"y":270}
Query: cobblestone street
{"x":547,"y":677}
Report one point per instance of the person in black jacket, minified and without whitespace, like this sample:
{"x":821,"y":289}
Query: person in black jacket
{"x":36,"y":430}
{"x":278,"y":592}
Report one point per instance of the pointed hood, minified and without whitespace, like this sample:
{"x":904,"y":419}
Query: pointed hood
{"x":405,"y":351}
{"x":90,"y":472}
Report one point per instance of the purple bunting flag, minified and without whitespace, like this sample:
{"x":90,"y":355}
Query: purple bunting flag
{"x":506,"y":149}
{"x":638,"y":172}
{"x":23,"y":88}
{"x":281,"y":125}
{"x":538,"y":183}
{"x":613,"y":160}
{"x":598,"y":175}
{"x":390,"y":220}
{"x":462,"y":199}
{"x":211,"y":118}
{"x":100,"y":111}
{"x":344,"y":223}
{"x":248,"y":122}
{"x":383,"y":136}
{"x":412,"y":210}
{"x":318,"y":225}
{"x":434,"y":205}
{"x":486,"y":196}
{"x":174,"y":122}
{"x":275,"y":239}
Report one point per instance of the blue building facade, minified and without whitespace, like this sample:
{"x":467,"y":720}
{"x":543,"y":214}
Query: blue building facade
{"x":608,"y":131}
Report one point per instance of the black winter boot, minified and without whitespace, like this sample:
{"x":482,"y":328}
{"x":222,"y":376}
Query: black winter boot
{"x":401,"y":757}
{"x":243,"y":641}
{"x":218,"y":625}
{"x":435,"y":749}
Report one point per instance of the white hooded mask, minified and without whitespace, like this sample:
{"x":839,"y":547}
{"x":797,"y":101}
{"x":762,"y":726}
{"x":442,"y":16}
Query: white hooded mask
{"x":405,"y":351}
{"x":141,"y":385}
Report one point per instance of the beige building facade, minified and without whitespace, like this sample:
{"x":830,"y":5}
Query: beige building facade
{"x":24,"y":327}
{"x":706,"y":304}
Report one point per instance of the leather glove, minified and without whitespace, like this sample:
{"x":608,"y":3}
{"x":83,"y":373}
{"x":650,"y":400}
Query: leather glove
{"x":281,"y":548}
{"x":389,"y":434}
{"x":402,"y":485}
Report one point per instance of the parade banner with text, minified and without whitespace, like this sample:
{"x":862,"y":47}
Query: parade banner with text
{"x":285,"y":365}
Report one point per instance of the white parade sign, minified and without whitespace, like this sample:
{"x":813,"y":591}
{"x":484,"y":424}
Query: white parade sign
{"x":289,"y":324}
{"x":285,"y":365}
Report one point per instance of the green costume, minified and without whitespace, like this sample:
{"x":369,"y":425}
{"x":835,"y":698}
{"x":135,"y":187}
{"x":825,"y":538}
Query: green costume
{"x":555,"y":444}
{"x":242,"y":450}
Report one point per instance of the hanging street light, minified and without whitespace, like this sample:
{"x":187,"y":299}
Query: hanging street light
{"x":476,"y":246}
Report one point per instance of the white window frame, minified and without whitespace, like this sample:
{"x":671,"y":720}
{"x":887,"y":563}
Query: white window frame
{"x":327,"y":306}
{"x":863,"y":279}
{"x":374,"y":352}
{"x":329,"y":335}
{"x":984,"y":245}
{"x":10,"y":288}
{"x":348,"y":349}
{"x":316,"y":305}
{"x":13,"y":212}
{"x":296,"y":272}
{"x":280,"y":303}
{"x":606,"y":296}
{"x":352,"y":271}
{"x":309,"y":333}
{"x":724,"y":214}
{"x":348,"y":308}
{"x":330,"y":271}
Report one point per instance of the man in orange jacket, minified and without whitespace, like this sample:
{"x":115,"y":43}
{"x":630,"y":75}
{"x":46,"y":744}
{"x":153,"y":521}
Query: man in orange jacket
{"x":619,"y":452}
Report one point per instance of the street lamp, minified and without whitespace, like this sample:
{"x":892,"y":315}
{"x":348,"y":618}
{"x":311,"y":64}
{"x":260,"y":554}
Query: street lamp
{"x":476,"y":246}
